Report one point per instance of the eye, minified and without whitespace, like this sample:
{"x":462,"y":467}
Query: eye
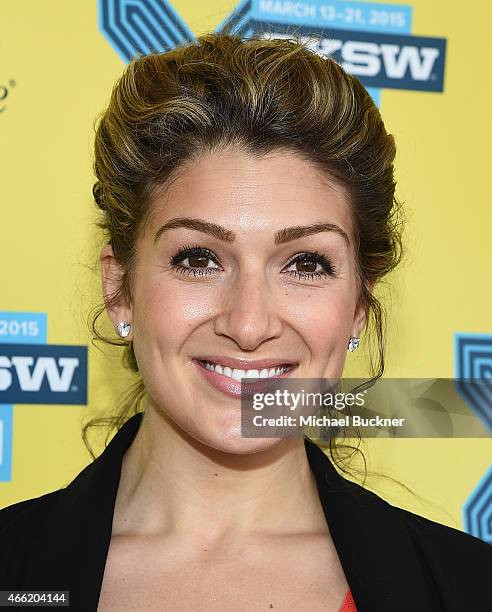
{"x":194,"y":260}
{"x":309,"y":265}
{"x":200,"y":261}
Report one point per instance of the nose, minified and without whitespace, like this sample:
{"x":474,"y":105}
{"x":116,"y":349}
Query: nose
{"x":249,"y":312}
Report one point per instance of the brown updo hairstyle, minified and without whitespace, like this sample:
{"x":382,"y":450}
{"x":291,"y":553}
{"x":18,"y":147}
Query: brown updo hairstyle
{"x":257,"y":95}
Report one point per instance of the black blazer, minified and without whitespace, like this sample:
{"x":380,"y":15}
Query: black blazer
{"x":394,"y":560}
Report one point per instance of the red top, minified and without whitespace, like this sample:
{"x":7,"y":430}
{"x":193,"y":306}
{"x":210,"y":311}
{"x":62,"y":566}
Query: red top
{"x":348,"y":604}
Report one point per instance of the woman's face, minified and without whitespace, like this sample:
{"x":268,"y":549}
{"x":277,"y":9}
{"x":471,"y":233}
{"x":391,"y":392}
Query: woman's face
{"x":265,"y":279}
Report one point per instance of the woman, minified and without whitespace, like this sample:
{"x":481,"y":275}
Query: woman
{"x":248,"y":197}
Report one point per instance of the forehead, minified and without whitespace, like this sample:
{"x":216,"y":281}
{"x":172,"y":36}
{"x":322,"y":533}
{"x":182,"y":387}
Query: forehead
{"x":235,"y":188}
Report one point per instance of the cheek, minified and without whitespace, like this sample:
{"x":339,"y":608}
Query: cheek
{"x":323,"y":318}
{"x":166,"y":313}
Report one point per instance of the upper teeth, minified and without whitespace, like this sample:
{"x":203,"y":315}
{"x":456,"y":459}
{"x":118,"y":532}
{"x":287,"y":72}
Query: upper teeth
{"x":238,"y":374}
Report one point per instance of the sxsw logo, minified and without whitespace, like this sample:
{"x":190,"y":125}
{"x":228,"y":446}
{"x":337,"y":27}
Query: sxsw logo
{"x":33,"y":372}
{"x":379,"y":60}
{"x":371,"y":40}
{"x":43,"y":374}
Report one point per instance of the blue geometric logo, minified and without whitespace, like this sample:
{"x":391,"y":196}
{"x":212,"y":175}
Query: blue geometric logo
{"x":477,"y":510}
{"x":135,"y":27}
{"x":473,"y":366}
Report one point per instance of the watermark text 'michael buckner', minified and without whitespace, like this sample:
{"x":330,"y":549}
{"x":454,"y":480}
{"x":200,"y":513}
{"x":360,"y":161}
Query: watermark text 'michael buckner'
{"x":325,"y":421}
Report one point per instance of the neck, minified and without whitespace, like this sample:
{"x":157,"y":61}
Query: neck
{"x":173,"y":484}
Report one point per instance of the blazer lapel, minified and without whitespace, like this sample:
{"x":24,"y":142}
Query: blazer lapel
{"x":375,"y":550}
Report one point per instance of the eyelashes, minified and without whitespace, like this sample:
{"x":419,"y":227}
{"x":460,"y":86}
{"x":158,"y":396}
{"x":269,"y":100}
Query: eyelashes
{"x":200,"y":257}
{"x":196,"y":253}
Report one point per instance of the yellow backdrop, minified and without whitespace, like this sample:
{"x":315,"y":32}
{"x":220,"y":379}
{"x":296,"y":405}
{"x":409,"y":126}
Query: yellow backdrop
{"x":56,"y":75}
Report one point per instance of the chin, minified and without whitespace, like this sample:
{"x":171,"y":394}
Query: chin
{"x":231,"y":442}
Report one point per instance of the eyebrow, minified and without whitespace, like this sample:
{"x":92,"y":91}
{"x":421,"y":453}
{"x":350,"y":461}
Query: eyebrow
{"x":281,"y":236}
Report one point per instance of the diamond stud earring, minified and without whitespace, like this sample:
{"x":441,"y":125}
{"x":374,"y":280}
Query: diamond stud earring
{"x":124,"y":328}
{"x":353,"y":343}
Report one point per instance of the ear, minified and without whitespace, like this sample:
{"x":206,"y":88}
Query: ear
{"x":360,"y":315}
{"x":112,"y":276}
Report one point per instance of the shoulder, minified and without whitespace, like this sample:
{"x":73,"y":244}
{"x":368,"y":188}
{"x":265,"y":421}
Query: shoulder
{"x":20,"y":526}
{"x":438,"y":535}
{"x":442,"y":539}
{"x":27,"y":511}
{"x":427,"y":535}
{"x":430,"y":537}
{"x":455,"y":558}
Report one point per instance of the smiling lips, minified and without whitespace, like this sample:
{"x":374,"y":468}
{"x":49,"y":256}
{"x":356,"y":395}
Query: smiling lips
{"x":237,"y":373}
{"x":246,"y":364}
{"x":225,"y":373}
